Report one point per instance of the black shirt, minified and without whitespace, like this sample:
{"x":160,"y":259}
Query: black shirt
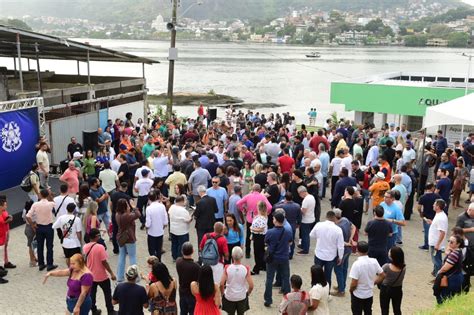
{"x":298,"y":148}
{"x":427,"y":201}
{"x":188,"y":272}
{"x":378,"y":231}
{"x":115,"y":198}
{"x":238,"y":163}
{"x":131,"y":298}
{"x":294,"y":191}
{"x":358,"y":175}
{"x":261,"y":179}
{"x":76,"y":147}
{"x":274,"y":193}
{"x":126,"y":172}
{"x":348,"y":207}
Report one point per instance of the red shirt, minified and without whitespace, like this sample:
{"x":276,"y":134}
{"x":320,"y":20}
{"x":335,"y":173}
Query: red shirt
{"x":286,"y":163}
{"x":221,"y":245}
{"x":315,"y":141}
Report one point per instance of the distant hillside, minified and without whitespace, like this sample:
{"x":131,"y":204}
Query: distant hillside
{"x":133,"y":10}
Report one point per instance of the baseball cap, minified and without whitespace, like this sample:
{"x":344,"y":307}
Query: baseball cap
{"x":132,"y":272}
{"x":77,"y":155}
{"x":380,"y":175}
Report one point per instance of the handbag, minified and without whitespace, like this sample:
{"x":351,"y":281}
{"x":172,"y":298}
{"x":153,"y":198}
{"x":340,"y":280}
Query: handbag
{"x":388,"y":288}
{"x":268,"y":255}
{"x":123,"y":237}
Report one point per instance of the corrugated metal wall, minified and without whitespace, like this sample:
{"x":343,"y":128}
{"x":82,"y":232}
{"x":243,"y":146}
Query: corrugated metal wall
{"x":63,"y":129}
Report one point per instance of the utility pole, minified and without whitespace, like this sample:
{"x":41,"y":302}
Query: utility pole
{"x":169,"y":105}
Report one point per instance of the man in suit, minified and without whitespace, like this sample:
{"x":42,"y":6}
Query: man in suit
{"x":206,"y":207}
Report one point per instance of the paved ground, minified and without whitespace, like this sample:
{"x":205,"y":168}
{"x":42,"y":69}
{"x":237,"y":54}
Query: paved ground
{"x":25,"y":294}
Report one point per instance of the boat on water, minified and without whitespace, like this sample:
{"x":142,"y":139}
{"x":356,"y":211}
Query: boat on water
{"x":313,"y":54}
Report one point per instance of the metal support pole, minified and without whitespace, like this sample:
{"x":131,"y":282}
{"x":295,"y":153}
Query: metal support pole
{"x":29,"y":67}
{"x":143,"y":70}
{"x":38,"y":70}
{"x":14,"y":68}
{"x":465,"y":90}
{"x":18,"y":49}
{"x":88,"y":69}
{"x":78,"y":68}
{"x":169,"y":105}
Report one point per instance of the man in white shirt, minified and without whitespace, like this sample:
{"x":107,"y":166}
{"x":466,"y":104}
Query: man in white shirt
{"x":156,"y":222}
{"x":109,"y":179}
{"x":437,"y":234}
{"x":138,"y":172}
{"x":143,"y":187}
{"x":307,"y":219}
{"x":115,"y":164}
{"x":179,"y":226}
{"x":408,"y":154}
{"x":335,"y":168}
{"x":61,"y":201}
{"x":363,"y":273}
{"x":71,"y":231}
{"x":160,"y":164}
{"x":372,"y":158}
{"x":329,"y":244}
{"x":42,"y":160}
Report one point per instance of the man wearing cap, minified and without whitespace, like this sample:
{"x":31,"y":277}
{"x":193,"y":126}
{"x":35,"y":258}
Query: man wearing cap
{"x":76,"y":157}
{"x":143,"y":187}
{"x":96,"y":259}
{"x":131,"y":297}
{"x":378,"y":189}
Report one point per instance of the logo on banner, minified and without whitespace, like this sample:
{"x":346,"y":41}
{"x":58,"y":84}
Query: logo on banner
{"x":11,"y":137}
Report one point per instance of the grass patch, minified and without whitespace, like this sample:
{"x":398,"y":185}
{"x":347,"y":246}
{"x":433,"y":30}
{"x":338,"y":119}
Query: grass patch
{"x":310,"y":128}
{"x":458,"y":305}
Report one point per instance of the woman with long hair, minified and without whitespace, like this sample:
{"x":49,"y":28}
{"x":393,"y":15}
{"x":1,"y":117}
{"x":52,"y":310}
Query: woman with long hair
{"x":247,"y":175}
{"x":284,"y":184}
{"x":319,"y":293}
{"x":391,"y":281}
{"x":452,"y":269}
{"x":206,"y":292}
{"x":126,"y":239}
{"x":162,"y":292}
{"x":79,"y":283}
{"x":234,"y":233}
{"x":83,"y":199}
{"x":259,"y":229}
{"x":89,"y":165}
{"x":90,"y":220}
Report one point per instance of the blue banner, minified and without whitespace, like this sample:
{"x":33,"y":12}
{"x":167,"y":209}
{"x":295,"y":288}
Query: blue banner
{"x":19,"y":135}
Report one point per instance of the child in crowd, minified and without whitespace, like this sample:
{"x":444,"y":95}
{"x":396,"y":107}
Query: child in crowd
{"x":296,"y":302}
{"x":150,"y":262}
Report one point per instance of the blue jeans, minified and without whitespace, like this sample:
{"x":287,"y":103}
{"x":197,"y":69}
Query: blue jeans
{"x":305,"y":229}
{"x":105,"y":218}
{"x":85,"y":307}
{"x":454,"y":287}
{"x":282,"y":268}
{"x":399,"y":235}
{"x":436,"y":259}
{"x":341,"y":271}
{"x":426,"y":228}
{"x":187,"y":304}
{"x":391,"y":241}
{"x":45,"y":233}
{"x":292,"y":246}
{"x":328,"y":266}
{"x":177,"y":242}
{"x":131,"y":251}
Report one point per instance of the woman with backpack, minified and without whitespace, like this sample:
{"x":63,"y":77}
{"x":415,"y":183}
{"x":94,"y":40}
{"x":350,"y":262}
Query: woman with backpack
{"x":234,"y":233}
{"x":206,"y":292}
{"x":162,"y":293}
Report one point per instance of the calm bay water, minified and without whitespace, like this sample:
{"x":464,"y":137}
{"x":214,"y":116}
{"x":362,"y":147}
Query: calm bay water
{"x":260,"y":73}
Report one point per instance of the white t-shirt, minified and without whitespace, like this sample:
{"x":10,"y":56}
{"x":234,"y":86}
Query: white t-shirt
{"x":42,"y":157}
{"x":115,"y":165}
{"x":408,"y":155}
{"x":63,"y":223}
{"x":156,"y":219}
{"x":439,"y":223}
{"x":365,"y":269}
{"x":336,"y":164}
{"x":58,"y":201}
{"x":320,"y":293}
{"x":143,"y":185}
{"x":138,"y":172}
{"x":347,"y":163}
{"x":309,"y":203}
{"x":179,"y":220}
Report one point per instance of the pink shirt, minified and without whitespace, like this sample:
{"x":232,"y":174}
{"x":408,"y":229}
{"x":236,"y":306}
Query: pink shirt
{"x":249,"y":205}
{"x":95,"y":256}
{"x":71,"y":177}
{"x":41,"y":212}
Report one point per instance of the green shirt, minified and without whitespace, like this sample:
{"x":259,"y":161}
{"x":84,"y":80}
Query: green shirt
{"x":148,"y":149}
{"x":89,"y":166}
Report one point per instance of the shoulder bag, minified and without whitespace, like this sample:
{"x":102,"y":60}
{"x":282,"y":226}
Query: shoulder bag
{"x":268,"y":255}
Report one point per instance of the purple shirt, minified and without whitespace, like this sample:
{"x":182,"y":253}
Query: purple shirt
{"x":74,"y":286}
{"x":250,"y":202}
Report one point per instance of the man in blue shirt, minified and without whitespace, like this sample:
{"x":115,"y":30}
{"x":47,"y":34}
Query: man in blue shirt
{"x":278,"y":241}
{"x":220,"y":194}
{"x":443,"y":187}
{"x":99,"y":195}
{"x":324,"y":159}
{"x":341,"y":184}
{"x":394,"y":215}
{"x":292,"y":215}
{"x":441,"y":143}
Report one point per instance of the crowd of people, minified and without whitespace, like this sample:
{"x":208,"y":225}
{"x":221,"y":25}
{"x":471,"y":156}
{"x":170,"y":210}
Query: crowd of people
{"x":249,"y":181}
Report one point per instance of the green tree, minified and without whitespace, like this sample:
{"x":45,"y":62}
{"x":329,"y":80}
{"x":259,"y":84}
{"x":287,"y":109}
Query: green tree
{"x":308,"y":39}
{"x":311,"y":29}
{"x":416,"y":40}
{"x":374,"y":26}
{"x":440,"y":30}
{"x":458,"y":40}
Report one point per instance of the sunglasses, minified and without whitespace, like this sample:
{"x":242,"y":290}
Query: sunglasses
{"x":215,"y":182}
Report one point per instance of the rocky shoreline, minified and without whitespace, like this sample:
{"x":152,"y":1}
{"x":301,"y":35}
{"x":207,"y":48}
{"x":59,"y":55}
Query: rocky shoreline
{"x":211,"y":99}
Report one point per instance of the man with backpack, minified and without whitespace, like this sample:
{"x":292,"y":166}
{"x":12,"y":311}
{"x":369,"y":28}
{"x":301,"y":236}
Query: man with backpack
{"x":31,"y":183}
{"x":214,"y":250}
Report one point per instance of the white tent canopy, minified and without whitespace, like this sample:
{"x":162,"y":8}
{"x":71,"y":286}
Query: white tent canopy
{"x":459,"y":111}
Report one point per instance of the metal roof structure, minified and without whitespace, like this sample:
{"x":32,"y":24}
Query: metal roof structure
{"x":53,"y":47}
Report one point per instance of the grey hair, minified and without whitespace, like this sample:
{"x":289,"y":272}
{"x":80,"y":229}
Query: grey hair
{"x":257,"y":187}
{"x":273,"y":175}
{"x":302,"y":189}
{"x":280,"y":210}
{"x":201,"y":189}
{"x":237,"y":253}
{"x":337,"y":212}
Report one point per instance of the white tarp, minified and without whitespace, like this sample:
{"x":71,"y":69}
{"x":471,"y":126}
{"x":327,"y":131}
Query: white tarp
{"x":459,"y":111}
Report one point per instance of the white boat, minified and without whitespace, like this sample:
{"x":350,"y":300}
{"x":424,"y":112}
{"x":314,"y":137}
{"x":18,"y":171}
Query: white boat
{"x":313,"y":54}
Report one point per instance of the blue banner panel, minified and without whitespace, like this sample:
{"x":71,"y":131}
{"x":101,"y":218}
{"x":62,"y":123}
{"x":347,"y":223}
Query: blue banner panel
{"x":19,"y":134}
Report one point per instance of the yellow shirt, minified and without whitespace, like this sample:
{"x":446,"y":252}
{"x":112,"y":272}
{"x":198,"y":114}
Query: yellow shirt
{"x":173,"y":180}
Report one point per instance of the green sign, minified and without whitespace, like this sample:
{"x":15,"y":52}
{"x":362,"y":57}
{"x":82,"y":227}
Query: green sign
{"x":391,"y":99}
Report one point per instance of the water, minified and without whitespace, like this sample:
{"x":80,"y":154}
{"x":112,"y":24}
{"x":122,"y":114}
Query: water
{"x":260,"y":73}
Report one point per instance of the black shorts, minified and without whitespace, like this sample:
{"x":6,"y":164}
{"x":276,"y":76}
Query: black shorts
{"x":232,"y":307}
{"x":69,"y":252}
